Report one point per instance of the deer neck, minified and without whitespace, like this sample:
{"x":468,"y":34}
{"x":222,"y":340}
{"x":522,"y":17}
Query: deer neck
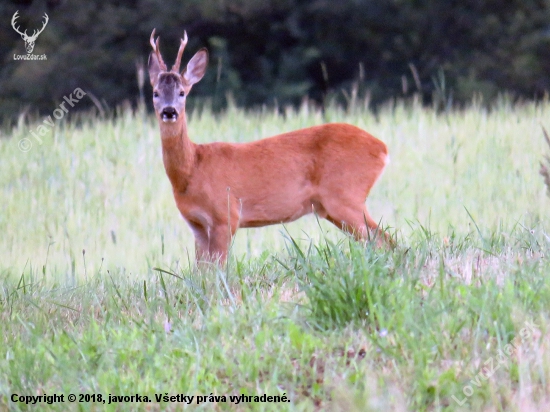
{"x":178,"y":153}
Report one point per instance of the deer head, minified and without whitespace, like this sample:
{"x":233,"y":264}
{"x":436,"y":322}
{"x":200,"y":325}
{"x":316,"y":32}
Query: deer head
{"x":170,"y":88}
{"x":29,"y":40}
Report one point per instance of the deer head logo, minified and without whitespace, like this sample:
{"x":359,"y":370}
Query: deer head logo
{"x":29,"y":40}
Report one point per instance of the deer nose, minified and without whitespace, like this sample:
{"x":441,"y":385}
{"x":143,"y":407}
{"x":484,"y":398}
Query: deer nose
{"x":169,"y":114}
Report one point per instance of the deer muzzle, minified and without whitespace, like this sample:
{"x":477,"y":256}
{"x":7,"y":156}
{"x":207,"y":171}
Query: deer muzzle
{"x":169,"y":115}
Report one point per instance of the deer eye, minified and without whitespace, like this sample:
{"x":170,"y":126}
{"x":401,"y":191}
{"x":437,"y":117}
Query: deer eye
{"x":155,"y":94}
{"x":182,"y":94}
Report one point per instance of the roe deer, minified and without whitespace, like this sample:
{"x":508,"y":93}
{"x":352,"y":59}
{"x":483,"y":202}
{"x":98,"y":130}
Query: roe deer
{"x":220,"y":187}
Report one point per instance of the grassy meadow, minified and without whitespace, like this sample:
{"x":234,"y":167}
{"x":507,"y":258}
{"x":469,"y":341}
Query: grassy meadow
{"x":99,"y":295}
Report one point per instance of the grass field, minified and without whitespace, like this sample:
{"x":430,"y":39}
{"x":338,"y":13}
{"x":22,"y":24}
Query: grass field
{"x":98,"y":294}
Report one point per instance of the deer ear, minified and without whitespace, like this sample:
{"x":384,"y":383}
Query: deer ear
{"x":195,"y":68}
{"x":154,"y":68}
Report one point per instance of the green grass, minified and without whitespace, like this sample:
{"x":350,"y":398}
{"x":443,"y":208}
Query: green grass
{"x":98,"y":294}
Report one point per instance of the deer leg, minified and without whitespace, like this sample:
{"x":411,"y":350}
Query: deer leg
{"x":358,"y":222}
{"x":220,"y":239}
{"x":201,"y":250}
{"x":201,"y":241}
{"x":211,"y":244}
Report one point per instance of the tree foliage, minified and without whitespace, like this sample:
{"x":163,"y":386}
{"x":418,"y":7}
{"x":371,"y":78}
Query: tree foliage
{"x":278,"y":51}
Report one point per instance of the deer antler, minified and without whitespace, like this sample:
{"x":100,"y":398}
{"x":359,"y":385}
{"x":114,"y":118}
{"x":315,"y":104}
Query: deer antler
{"x":176,"y":66}
{"x":13,"y":19}
{"x":37,"y":32}
{"x":155,"y":46}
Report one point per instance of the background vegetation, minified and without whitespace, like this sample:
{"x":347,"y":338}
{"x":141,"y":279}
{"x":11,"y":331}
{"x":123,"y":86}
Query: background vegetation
{"x":98,"y":293}
{"x":276,"y":52}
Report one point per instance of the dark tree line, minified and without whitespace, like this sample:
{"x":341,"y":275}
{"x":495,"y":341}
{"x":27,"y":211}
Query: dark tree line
{"x":278,"y":51}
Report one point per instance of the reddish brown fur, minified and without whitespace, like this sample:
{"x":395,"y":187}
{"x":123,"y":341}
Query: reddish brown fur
{"x":220,"y":187}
